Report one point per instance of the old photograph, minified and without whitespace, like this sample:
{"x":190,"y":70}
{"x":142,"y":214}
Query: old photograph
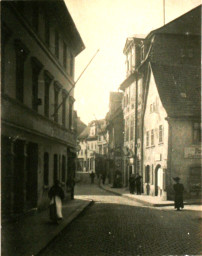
{"x":101,"y":128}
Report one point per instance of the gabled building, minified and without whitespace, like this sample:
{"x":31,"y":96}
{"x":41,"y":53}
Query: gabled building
{"x":172,"y":130}
{"x":166,"y":81}
{"x":37,"y":98}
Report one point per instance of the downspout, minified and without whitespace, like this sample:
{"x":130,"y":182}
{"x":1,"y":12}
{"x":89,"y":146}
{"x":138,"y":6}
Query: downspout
{"x":136,"y":111}
{"x":169,"y":161}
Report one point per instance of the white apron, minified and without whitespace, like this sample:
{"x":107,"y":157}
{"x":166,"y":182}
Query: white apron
{"x":58,"y":203}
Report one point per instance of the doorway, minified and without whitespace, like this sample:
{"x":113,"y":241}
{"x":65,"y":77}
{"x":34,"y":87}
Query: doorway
{"x":156,"y":179}
{"x":31,"y":177}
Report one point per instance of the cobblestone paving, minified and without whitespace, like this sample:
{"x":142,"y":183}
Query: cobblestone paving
{"x":116,"y":226}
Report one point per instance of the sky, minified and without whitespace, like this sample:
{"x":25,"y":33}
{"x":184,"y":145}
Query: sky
{"x":105,"y":25}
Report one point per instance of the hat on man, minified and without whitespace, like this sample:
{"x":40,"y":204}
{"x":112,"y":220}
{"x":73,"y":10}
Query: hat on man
{"x":176,"y":179}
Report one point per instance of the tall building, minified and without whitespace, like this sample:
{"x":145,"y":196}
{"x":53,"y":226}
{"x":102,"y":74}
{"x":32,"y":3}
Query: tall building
{"x":132,"y":106}
{"x":114,"y":120}
{"x":38,"y":136}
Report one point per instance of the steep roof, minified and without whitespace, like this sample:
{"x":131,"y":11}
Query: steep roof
{"x":187,"y":24}
{"x":84,"y":134}
{"x":80,"y":126}
{"x":179,"y":88}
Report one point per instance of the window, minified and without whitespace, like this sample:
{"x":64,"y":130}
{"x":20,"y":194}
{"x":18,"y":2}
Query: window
{"x":47,"y":30}
{"x":197,"y":132}
{"x":46,"y":169}
{"x":47,"y":78}
{"x":56,"y":95}
{"x":21,"y":54}
{"x":147,"y":138}
{"x":36,"y":68}
{"x":35,"y":17}
{"x":160,"y":133}
{"x":64,"y":102}
{"x":71,"y":65}
{"x":152,"y":137}
{"x":5,"y":35}
{"x":70,"y":114}
{"x":100,"y":149}
{"x":57,"y":44}
{"x":63,"y":168}
{"x":64,"y":55}
{"x":142,"y":53}
{"x":133,"y":56}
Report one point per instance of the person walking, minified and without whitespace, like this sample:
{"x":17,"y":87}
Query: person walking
{"x":178,"y":189}
{"x":92,"y":176}
{"x":56,"y":195}
{"x":132,"y":184}
{"x":138,"y":184}
{"x":70,"y":185}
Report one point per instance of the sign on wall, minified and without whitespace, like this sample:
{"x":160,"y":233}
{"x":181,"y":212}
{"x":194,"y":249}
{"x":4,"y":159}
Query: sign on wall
{"x":192,"y":152}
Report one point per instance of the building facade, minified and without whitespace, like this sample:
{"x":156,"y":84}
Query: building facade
{"x":115,"y":127}
{"x":38,"y":136}
{"x":163,"y":69}
{"x":93,"y":143}
{"x":132,"y":106}
{"x":171,"y":111}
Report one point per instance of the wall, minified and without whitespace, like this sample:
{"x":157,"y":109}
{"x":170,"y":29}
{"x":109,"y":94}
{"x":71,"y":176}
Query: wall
{"x":182,"y":139}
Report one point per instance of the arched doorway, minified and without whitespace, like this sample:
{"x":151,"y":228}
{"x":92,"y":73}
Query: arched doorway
{"x":156,"y":179}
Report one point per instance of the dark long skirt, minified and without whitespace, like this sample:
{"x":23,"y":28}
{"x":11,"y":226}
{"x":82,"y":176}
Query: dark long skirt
{"x":179,"y":201}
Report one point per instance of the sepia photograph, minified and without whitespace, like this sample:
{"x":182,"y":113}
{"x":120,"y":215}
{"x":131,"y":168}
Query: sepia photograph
{"x":101,"y":128}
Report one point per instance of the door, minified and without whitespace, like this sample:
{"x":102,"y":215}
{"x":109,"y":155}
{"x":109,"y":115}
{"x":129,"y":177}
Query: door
{"x":31,"y":177}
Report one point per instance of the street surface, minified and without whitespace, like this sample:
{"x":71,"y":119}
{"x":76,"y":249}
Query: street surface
{"x":115,"y":226}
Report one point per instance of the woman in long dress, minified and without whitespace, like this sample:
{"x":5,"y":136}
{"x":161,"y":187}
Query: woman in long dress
{"x":56,"y":196}
{"x":179,"y":189}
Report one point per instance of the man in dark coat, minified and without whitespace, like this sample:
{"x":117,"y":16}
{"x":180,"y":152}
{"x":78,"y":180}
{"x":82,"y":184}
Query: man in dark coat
{"x":138,"y":184}
{"x":132,"y":184}
{"x":179,"y":189}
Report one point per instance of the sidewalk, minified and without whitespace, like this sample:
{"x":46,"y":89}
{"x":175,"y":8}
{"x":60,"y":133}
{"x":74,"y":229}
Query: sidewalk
{"x":31,"y":234}
{"x":154,"y":201}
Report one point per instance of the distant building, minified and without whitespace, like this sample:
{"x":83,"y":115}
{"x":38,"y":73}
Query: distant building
{"x":38,"y":133}
{"x":93,"y":143}
{"x":115,"y":129}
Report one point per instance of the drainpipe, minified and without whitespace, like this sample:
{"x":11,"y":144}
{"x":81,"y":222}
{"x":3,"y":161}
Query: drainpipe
{"x":136,"y":111}
{"x":169,"y":161}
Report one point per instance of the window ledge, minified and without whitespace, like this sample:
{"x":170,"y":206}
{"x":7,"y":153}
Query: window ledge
{"x":153,"y":146}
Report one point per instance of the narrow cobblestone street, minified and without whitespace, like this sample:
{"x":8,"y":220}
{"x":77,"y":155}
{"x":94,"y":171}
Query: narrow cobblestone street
{"x":117,"y":226}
